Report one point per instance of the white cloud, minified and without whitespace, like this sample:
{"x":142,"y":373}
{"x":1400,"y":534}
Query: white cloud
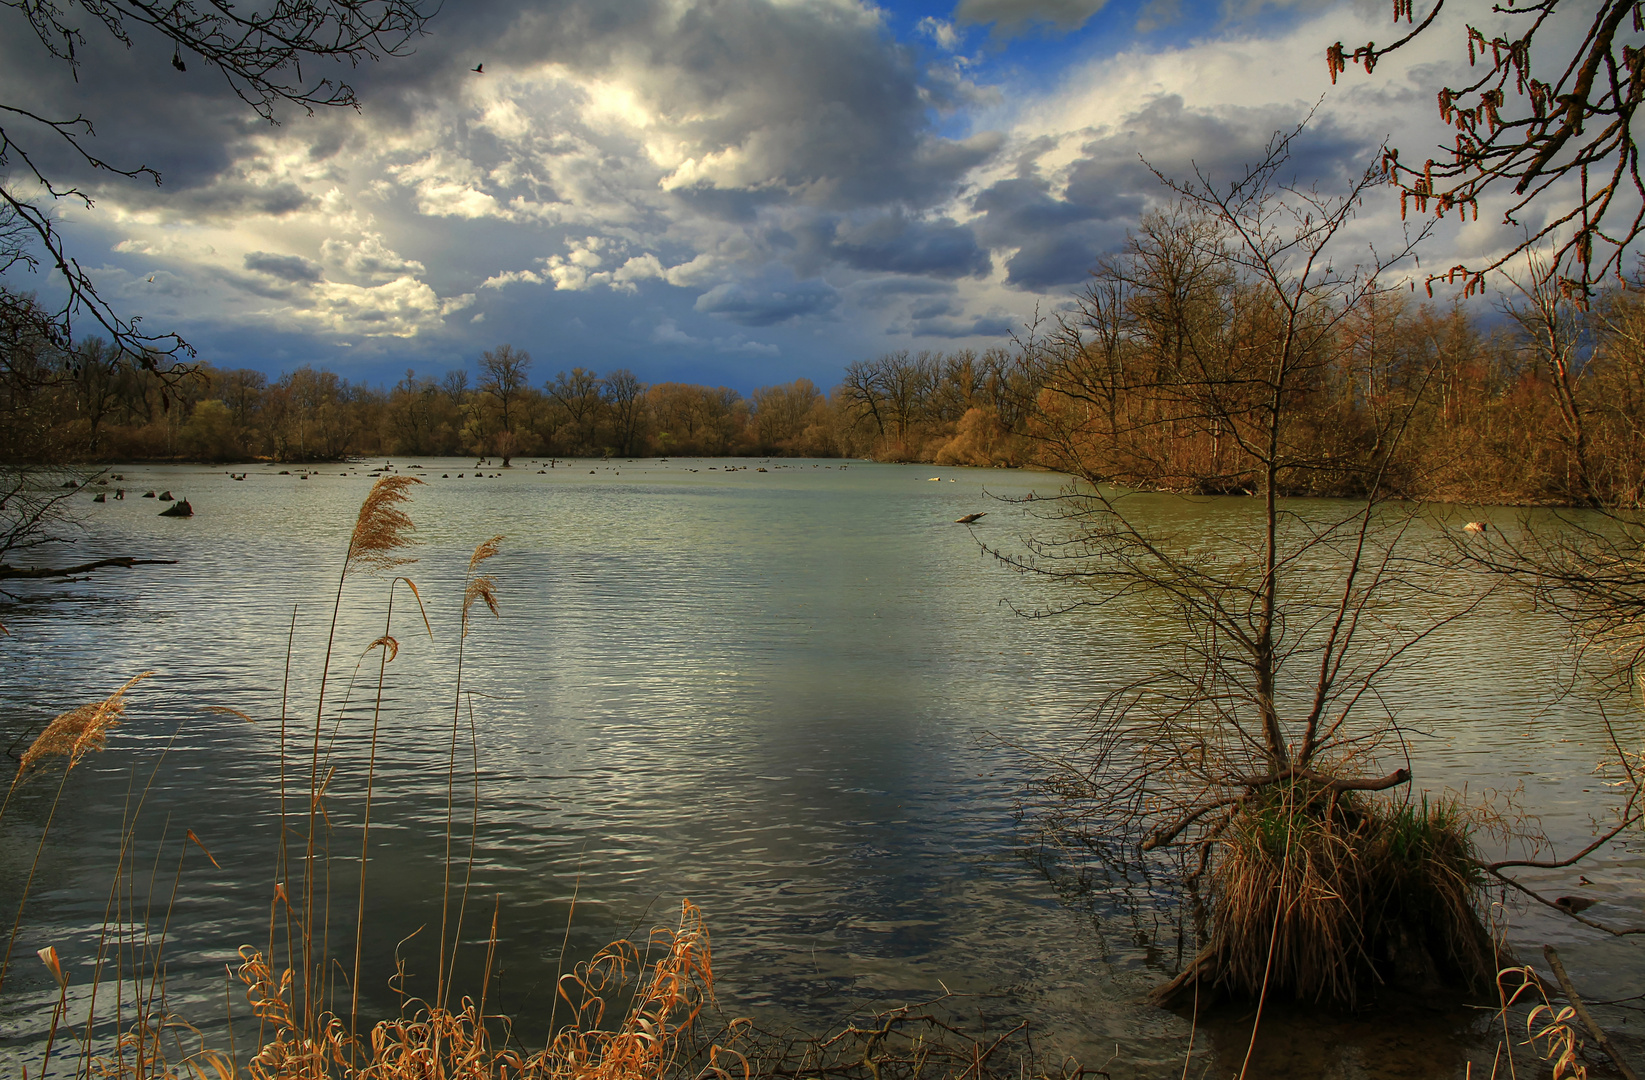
{"x":940,"y":31}
{"x":667,"y":333}
{"x":367,"y":258}
{"x":400,"y":308}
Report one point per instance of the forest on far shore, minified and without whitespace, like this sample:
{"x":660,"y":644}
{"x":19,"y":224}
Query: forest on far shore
{"x":1543,"y":405}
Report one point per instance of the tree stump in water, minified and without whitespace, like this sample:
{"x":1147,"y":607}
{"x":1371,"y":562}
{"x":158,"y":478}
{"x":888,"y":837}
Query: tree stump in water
{"x":181,"y":508}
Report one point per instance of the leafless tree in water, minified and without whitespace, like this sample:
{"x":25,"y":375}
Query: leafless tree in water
{"x":1219,"y":351}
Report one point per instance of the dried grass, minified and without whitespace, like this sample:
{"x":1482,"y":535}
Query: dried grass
{"x":1551,"y":1030}
{"x":79,"y":731}
{"x":670,"y":983}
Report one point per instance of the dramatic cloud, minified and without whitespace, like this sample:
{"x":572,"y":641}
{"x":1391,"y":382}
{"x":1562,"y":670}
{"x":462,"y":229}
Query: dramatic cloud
{"x":626,"y":178}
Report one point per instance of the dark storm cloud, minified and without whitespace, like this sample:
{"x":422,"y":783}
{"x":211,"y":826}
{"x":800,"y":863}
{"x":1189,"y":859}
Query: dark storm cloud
{"x":292,"y":268}
{"x":877,"y":293}
{"x":947,"y":327}
{"x":1013,"y":16}
{"x":894,"y":243}
{"x":758,"y":305}
{"x":1045,"y":262}
{"x":228,"y":196}
{"x":930,"y":309}
{"x":1060,"y":236}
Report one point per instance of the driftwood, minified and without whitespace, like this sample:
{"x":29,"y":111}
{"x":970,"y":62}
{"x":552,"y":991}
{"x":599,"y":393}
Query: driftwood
{"x":10,"y":573}
{"x":1331,"y":783}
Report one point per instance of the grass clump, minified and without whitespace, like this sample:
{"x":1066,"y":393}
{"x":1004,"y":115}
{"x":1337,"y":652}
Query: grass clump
{"x":1321,"y":895}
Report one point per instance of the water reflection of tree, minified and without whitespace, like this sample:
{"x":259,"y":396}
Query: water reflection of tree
{"x":1217,"y":354}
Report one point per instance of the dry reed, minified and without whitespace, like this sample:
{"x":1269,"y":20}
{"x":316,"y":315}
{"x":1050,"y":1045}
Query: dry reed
{"x":71,"y":735}
{"x":79,"y":731}
{"x":428,"y":1042}
{"x":382,"y":528}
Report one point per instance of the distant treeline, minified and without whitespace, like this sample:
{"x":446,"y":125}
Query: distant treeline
{"x":95,"y":405}
{"x":1147,"y":379}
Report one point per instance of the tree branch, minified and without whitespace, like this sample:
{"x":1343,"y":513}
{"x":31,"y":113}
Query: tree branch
{"x":8,"y":573}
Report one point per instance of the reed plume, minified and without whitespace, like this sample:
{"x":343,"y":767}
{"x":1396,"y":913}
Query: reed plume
{"x":73,"y":735}
{"x":480,"y":586}
{"x":381,"y":532}
{"x":79,"y":731}
{"x":382,"y":529}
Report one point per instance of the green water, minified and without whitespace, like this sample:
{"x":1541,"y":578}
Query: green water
{"x":799,"y":698}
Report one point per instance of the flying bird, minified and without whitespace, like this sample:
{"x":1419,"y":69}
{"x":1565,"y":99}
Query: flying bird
{"x":969,"y":518}
{"x":478,"y":69}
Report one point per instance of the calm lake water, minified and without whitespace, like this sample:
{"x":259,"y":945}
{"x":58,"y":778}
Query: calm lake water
{"x":798,"y":697}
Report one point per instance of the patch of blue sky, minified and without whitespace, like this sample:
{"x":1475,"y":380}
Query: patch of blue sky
{"x":1035,"y":56}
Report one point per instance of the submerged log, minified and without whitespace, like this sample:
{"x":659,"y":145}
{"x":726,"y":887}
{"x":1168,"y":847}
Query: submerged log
{"x":1193,"y":983}
{"x":13,"y":572}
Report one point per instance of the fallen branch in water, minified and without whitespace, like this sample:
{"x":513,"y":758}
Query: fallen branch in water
{"x":1582,"y":1012}
{"x":8,"y":573}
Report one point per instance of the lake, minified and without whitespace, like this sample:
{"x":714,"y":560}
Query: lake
{"x":799,"y":697}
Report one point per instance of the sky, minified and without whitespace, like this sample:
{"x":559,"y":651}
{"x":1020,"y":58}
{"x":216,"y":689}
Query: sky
{"x":731,"y":192}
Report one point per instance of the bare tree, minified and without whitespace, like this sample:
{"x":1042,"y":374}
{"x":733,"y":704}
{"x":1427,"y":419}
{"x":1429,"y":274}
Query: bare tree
{"x":504,"y":373}
{"x":1578,"y":127}
{"x":1551,"y":323}
{"x":625,"y":394}
{"x":864,"y":391}
{"x":578,"y":392}
{"x":1243,"y":766}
